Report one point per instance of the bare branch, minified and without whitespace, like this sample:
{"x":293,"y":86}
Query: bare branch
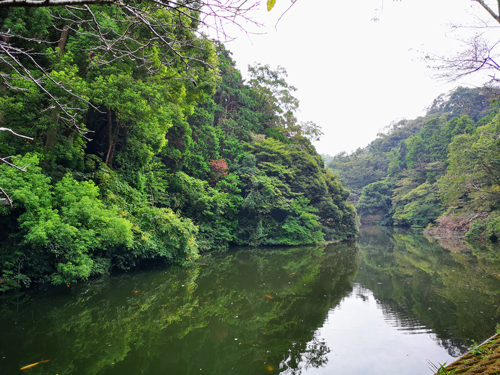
{"x":50,"y":3}
{"x":286,"y":11}
{"x":4,"y":160}
{"x":7,"y":199}
{"x":161,"y":46}
{"x":21,"y":70}
{"x":16,"y":134}
{"x":478,"y":55}
{"x":489,"y":10}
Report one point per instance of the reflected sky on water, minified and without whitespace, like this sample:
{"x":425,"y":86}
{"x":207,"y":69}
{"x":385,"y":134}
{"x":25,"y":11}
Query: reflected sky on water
{"x":385,"y":304}
{"x":364,"y":337}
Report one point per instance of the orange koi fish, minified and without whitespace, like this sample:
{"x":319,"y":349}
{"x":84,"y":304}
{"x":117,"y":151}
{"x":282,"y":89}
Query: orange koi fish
{"x":293,"y":273}
{"x":268,"y":296}
{"x":34,"y":364}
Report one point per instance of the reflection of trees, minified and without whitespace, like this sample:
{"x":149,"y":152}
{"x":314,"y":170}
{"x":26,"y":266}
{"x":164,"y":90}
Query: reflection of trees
{"x":212,"y":315}
{"x":313,"y":356}
{"x":421,"y":284}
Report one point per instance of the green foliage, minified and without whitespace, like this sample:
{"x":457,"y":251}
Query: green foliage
{"x":280,"y":181}
{"x":488,"y":228}
{"x":473,"y":178}
{"x":213,"y":210}
{"x":375,"y":202}
{"x":62,"y":228}
{"x":419,"y":207}
{"x":463,"y":101}
{"x":175,"y":161}
{"x":443,"y":371}
{"x":272,"y":213}
{"x":358,"y":169}
{"x":163,"y":234}
{"x":394,"y":180}
{"x":416,"y":153}
{"x":475,"y":348}
{"x":471,"y":186}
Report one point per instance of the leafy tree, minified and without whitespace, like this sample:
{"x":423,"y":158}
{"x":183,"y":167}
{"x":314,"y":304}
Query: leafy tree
{"x":405,"y":163}
{"x":474,"y":173}
{"x":281,"y":180}
{"x":65,"y":231}
{"x":182,"y":158}
{"x":471,"y":185}
{"x":375,"y":201}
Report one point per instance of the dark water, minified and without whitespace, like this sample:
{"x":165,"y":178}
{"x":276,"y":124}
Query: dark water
{"x":385,"y":304}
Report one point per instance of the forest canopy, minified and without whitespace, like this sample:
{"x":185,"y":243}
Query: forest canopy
{"x":439,"y":171}
{"x":153,"y":153}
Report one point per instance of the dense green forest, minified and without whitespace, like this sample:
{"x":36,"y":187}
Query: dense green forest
{"x":147,"y":160}
{"x":439,"y":171}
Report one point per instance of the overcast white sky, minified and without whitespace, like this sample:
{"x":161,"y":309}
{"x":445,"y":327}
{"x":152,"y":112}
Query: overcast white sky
{"x":354,"y":76}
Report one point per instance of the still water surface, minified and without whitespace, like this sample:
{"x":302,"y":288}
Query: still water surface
{"x":385,"y":304}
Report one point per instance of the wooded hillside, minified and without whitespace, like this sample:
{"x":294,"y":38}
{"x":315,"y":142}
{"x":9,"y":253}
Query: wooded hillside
{"x":439,"y":170}
{"x":156,"y":160}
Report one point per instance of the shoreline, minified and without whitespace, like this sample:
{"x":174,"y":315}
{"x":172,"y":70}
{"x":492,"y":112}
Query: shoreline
{"x":483,"y":358}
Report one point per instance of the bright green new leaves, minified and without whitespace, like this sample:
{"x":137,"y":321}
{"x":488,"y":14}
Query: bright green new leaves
{"x":419,"y":207}
{"x":167,"y":167}
{"x":68,"y":234}
{"x":164,"y":234}
{"x":64,"y":228}
{"x":139,"y":119}
{"x":212,"y":209}
{"x":270,"y":4}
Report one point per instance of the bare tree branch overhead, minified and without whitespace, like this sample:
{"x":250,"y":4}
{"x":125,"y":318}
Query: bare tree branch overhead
{"x":480,"y":53}
{"x":167,"y":40}
{"x":14,"y":133}
{"x":154,"y":34}
{"x":49,"y":3}
{"x":496,"y":16}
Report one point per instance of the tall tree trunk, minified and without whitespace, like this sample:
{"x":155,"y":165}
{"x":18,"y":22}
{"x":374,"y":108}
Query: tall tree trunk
{"x":111,"y":141}
{"x":51,"y":135}
{"x":63,"y":39}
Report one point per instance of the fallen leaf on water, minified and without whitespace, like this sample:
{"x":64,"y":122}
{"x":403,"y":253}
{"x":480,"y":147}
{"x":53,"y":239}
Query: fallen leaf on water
{"x":34,"y":364}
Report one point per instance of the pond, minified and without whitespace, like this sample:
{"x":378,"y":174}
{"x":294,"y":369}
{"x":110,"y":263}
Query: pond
{"x":388,"y":303}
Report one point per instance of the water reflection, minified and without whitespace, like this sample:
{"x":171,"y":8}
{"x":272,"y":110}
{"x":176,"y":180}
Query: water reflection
{"x":381,"y":305}
{"x":245,"y":312}
{"x":455,"y":293}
